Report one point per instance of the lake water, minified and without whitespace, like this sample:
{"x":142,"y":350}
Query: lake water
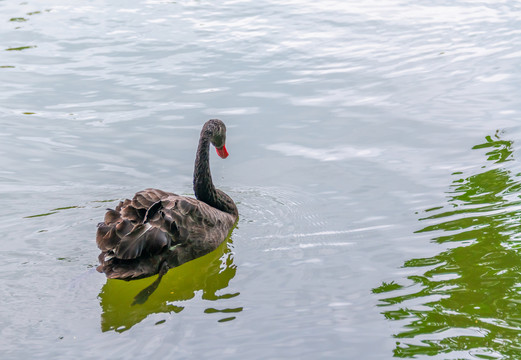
{"x":373,"y":157}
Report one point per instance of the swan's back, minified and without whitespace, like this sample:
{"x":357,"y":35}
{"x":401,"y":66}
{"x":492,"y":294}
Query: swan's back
{"x":155,"y":227}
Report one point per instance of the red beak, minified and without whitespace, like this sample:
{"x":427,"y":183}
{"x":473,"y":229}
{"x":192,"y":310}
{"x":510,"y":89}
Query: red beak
{"x":222,"y":152}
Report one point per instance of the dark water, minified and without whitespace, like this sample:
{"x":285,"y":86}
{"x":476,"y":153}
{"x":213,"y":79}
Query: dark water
{"x":373,"y":157}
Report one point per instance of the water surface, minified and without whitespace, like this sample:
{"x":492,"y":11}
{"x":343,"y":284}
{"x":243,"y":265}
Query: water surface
{"x":373,"y":157}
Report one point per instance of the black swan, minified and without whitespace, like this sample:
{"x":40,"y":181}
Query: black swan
{"x":157,"y":230}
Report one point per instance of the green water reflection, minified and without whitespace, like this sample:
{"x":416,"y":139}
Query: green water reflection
{"x":466,"y":300}
{"x":209,"y":274}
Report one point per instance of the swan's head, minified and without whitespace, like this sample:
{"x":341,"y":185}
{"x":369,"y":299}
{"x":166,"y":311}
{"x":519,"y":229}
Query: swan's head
{"x":217,"y":131}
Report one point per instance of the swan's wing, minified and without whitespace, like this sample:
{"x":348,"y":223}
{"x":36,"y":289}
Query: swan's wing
{"x":198,"y":226}
{"x":135,"y":226}
{"x":132,"y":244}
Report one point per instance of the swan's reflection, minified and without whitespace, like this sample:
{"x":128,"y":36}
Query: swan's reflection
{"x":209,"y":273}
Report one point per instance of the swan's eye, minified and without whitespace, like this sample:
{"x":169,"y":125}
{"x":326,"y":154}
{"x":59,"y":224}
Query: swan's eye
{"x":219,"y":140}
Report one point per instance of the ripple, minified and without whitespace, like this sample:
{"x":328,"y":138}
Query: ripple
{"x":336,"y":154}
{"x":232,"y":111}
{"x":324,"y":233}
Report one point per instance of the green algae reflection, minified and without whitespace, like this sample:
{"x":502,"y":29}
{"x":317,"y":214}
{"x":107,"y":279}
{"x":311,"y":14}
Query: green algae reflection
{"x":466,"y":301}
{"x":210,"y":274}
{"x":20,"y":48}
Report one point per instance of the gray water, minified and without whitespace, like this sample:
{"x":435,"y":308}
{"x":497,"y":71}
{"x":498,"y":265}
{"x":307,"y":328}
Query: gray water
{"x":363,"y":139}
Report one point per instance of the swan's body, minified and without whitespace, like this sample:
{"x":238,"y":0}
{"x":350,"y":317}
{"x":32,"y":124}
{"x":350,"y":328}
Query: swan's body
{"x":157,"y":230}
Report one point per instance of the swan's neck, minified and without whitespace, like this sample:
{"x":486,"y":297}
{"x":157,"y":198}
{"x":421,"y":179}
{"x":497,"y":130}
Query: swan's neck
{"x":203,"y":185}
{"x":204,"y":189}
